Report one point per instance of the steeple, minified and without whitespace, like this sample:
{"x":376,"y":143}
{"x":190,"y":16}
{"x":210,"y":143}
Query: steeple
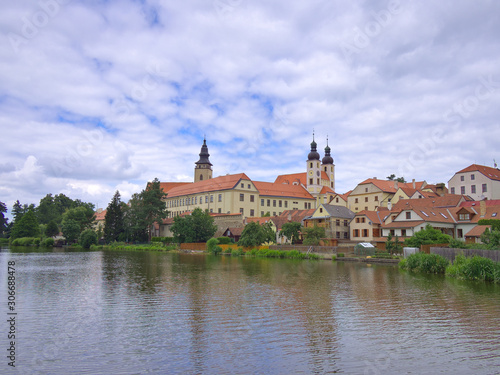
{"x":328,"y":158}
{"x":313,"y":155}
{"x":203,"y":169}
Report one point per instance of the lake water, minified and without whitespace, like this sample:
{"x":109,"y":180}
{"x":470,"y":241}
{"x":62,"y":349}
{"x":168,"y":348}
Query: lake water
{"x":160,"y":313}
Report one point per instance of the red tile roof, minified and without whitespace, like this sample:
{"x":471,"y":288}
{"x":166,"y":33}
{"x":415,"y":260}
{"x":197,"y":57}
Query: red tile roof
{"x":167,"y":186}
{"x":374,"y":216}
{"x":492,"y":173}
{"x":214,"y":184}
{"x":281,"y":190}
{"x":448,"y":200}
{"x":403,"y":224}
{"x":100,"y":216}
{"x":477,"y":230}
{"x":290,"y":179}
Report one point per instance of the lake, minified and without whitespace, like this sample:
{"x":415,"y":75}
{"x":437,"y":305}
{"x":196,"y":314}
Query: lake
{"x":161,"y":313}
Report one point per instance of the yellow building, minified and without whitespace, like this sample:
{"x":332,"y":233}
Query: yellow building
{"x":237,"y":193}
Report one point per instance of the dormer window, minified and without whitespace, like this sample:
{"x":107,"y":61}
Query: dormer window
{"x":464,"y":217}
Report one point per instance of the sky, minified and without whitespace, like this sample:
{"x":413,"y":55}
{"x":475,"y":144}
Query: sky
{"x":103,"y":95}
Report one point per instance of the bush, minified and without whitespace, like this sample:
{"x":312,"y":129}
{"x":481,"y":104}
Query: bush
{"x":237,"y":252}
{"x":227,"y":250}
{"x":26,"y":241}
{"x":475,"y":268}
{"x":224,"y":240}
{"x":88,"y":238}
{"x":212,"y":244}
{"x":340,"y":255}
{"x":164,"y":240}
{"x":425,"y":263}
{"x":48,"y":242}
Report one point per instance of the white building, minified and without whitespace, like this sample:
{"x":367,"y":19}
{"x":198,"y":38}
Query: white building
{"x":477,"y":181}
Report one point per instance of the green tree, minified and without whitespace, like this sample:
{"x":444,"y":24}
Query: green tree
{"x":393,"y":177}
{"x":154,"y":208}
{"x":26,"y":226}
{"x":291,"y":231}
{"x":3,"y":220}
{"x":135,"y":229}
{"x":197,"y":227}
{"x":253,"y":235}
{"x":52,"y":229}
{"x":313,"y":235}
{"x":427,"y":236}
{"x":114,"y":226}
{"x":269,"y":233}
{"x":84,"y":215}
{"x":393,"y":247}
{"x":88,"y":238}
{"x":71,"y":230}
{"x":19,"y":210}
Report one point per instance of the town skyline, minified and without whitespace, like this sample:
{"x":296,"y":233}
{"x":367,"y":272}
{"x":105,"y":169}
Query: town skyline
{"x":128,"y":95}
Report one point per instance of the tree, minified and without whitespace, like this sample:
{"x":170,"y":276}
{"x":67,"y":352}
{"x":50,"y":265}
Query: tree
{"x":255,"y":234}
{"x":154,"y":208}
{"x":135,"y":229}
{"x":52,"y":229}
{"x":83,"y":215}
{"x":3,"y":220}
{"x":313,"y":235}
{"x":393,"y":177}
{"x":393,"y":247}
{"x":427,"y":236}
{"x":71,"y":230}
{"x":114,"y":226}
{"x":88,"y":238}
{"x":19,"y":210}
{"x":26,"y":226}
{"x":291,"y":231}
{"x":197,"y":227}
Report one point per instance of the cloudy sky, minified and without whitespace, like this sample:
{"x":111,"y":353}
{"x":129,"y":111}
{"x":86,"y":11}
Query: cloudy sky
{"x":98,"y":96}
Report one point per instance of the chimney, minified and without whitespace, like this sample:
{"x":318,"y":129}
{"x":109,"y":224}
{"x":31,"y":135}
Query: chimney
{"x":482,"y":208}
{"x":396,"y":185}
{"x":413,"y":182}
{"x":441,"y":189}
{"x":289,"y":216}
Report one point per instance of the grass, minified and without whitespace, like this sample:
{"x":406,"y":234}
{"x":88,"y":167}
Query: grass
{"x":154,"y":246}
{"x":425,"y":263}
{"x":474,"y":268}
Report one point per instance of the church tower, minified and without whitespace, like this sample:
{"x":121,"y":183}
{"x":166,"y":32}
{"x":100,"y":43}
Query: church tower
{"x":313,"y":170}
{"x":203,"y":169}
{"x":327,"y":165}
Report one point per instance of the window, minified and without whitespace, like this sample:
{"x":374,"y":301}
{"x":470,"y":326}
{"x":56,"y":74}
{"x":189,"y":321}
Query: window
{"x":346,"y":235}
{"x":365,"y":232}
{"x":464,"y":217}
{"x":242,"y":197}
{"x":219,"y":210}
{"x":261,"y":213}
{"x":252,"y":198}
{"x":220,"y":197}
{"x":408,"y":215}
{"x":326,"y":169}
{"x":305,"y":205}
{"x":280,"y":204}
{"x":310,"y":165}
{"x":392,"y":232}
{"x":337,"y":200}
{"x":403,"y":232}
{"x":485,"y":188}
{"x":195,"y":200}
{"x":376,"y":198}
{"x":242,"y":211}
{"x":274,"y":213}
{"x":356,"y":200}
{"x":268,"y":203}
{"x":363,"y":220}
{"x":473,"y":189}
{"x":206,"y":199}
{"x":357,"y":220}
{"x":249,"y":186}
{"x":366,"y":190}
{"x":472,"y":177}
{"x":274,"y":202}
{"x":262,"y":202}
{"x":462,"y":178}
{"x":366,"y":199}
{"x":366,"y":208}
{"x":310,"y":181}
{"x":346,"y":223}
{"x":211,"y":199}
{"x":337,"y":222}
{"x":242,"y":186}
{"x":462,"y":189}
{"x":460,"y":233}
{"x":211,"y":210}
{"x":355,"y":233}
{"x":317,"y":181}
{"x":452,"y":190}
{"x":252,"y":213}
{"x":286,"y":204}
{"x":338,"y":235}
{"x":320,"y":210}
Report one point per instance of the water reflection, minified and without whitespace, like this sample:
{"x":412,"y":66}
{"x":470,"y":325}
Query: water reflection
{"x":147,"y":312}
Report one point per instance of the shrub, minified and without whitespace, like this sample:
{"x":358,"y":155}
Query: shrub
{"x":88,"y":238}
{"x":474,"y":268}
{"x":425,"y":263}
{"x":237,"y":252}
{"x":340,"y":255}
{"x":212,"y":244}
{"x":48,"y":242}
{"x":224,"y":240}
{"x":227,"y":250}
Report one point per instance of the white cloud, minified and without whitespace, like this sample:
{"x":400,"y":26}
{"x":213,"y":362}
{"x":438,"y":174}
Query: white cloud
{"x":109,"y":95}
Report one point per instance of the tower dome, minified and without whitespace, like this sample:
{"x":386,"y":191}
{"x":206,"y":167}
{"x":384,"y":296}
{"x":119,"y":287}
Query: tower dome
{"x":313,"y":155}
{"x":328,"y":158}
{"x":204,"y":154}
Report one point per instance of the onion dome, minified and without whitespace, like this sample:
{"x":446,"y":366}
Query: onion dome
{"x":328,"y":158}
{"x":313,"y":155}
{"x":204,"y":154}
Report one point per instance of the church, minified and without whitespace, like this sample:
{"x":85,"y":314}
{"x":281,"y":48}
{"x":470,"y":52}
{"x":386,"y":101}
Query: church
{"x":238,"y":194}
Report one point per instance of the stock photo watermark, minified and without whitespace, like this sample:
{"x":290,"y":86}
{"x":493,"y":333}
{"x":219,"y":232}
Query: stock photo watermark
{"x":32,"y":25}
{"x":364,"y":36}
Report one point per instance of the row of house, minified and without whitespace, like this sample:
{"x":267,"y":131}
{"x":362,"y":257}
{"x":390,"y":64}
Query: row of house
{"x":369,"y":212}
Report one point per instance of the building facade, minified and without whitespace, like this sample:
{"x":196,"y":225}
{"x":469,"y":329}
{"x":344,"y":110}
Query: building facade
{"x":477,"y":181}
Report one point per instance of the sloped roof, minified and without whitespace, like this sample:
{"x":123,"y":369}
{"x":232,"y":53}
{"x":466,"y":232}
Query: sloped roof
{"x":403,"y":224}
{"x":167,"y":186}
{"x":376,"y":217}
{"x":492,"y":173}
{"x":214,"y":184}
{"x":477,"y":230}
{"x":260,"y":220}
{"x":338,"y":211}
{"x":384,"y":185}
{"x":326,"y":189}
{"x":271,"y":189}
{"x":297,"y":215}
{"x":300,"y":178}
{"x":448,"y":200}
{"x":100,"y":216}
